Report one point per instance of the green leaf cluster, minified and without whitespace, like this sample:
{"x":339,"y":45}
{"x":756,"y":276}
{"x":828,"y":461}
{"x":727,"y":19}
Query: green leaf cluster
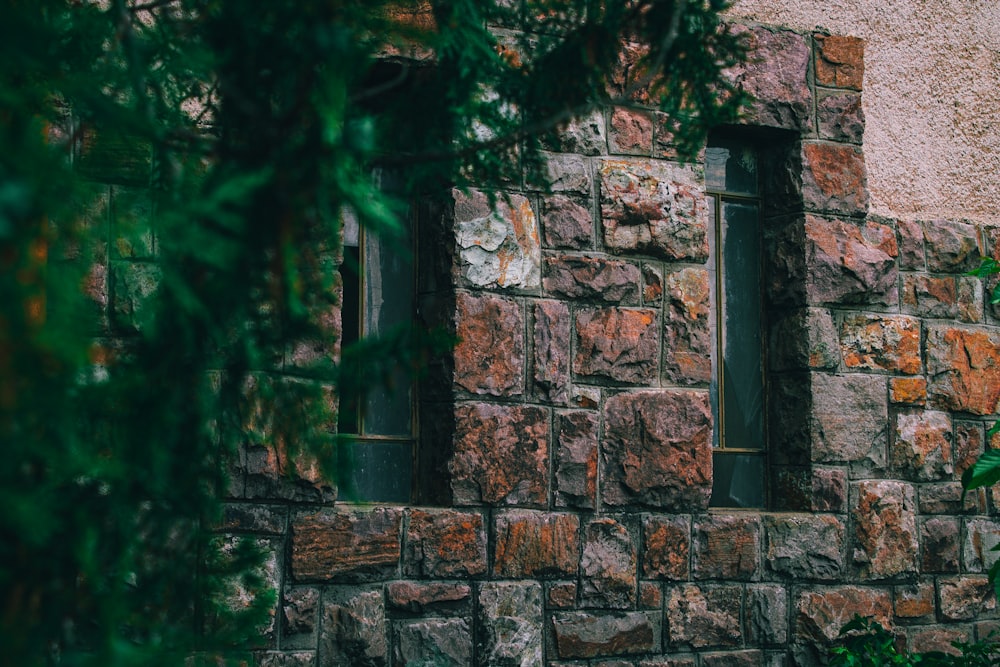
{"x":865,"y":643}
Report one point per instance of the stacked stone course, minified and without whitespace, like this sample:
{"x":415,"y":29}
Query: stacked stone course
{"x":567,"y":441}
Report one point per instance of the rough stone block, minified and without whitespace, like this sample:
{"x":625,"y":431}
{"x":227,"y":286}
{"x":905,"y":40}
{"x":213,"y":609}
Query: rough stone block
{"x":840,"y":61}
{"x":349,"y":544}
{"x":510,"y":624}
{"x":568,"y":173}
{"x":881,"y":342}
{"x":843,"y":266}
{"x":592,"y":635}
{"x":501,"y":455}
{"x":914,"y":602}
{"x":576,"y":459}
{"x":726,"y":547}
{"x":981,"y":536}
{"x":774,"y":73}
{"x":885,"y":528}
{"x":943,"y":640}
{"x":908,"y":391}
{"x":969,"y":441}
{"x":550,"y":373}
{"x":562,"y":595}
{"x":946,"y":498}
{"x":608,"y":566}
{"x":498,"y":245}
{"x":443,"y":642}
{"x":666,"y":546}
{"x":652,"y":284}
{"x":444,"y":543}
{"x":767,"y":614}
{"x":820,"y":614}
{"x":804,"y":339}
{"x":921,"y":449}
{"x":650,"y":595}
{"x":952,"y":247}
{"x":419,"y":597}
{"x":804,"y":547}
{"x":939,"y":540}
{"x":299,"y":609}
{"x":617,"y":343}
{"x":747,"y":658}
{"x":834,"y":179}
{"x":630,"y":132}
{"x":911,"y":245}
{"x":963,"y":366}
{"x":657,"y":450}
{"x":592,"y":279}
{"x":489,"y":356}
{"x":354,"y":631}
{"x":829,"y":489}
{"x":288,"y":659}
{"x":704,"y":616}
{"x":567,"y":223}
{"x":849,"y":420}
{"x":945,"y":297}
{"x":531,"y":544}
{"x":840,"y":117}
{"x":655,"y":208}
{"x":966,"y":598}
{"x":687,"y":339}
{"x":584,"y":135}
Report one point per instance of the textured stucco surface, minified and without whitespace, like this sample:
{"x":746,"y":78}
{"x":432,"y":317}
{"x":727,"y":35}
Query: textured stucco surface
{"x":931,"y":97}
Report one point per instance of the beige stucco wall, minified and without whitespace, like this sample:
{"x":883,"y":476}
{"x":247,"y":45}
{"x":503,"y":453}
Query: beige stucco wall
{"x":931,"y":97}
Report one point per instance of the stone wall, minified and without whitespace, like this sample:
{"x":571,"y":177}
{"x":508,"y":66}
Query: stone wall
{"x":567,"y":442}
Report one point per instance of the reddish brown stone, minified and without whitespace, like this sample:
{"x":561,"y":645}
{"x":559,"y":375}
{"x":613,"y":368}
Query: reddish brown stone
{"x":657,"y":450}
{"x":591,"y":635}
{"x":664,"y":136}
{"x":911,"y":245}
{"x":929,"y":296}
{"x":820,"y":614}
{"x":650,"y":595}
{"x":562,"y":595}
{"x":746,"y":658}
{"x":576,"y":459}
{"x":566,"y":223}
{"x":630,"y":132}
{"x":489,"y":356}
{"x":842,"y":266}
{"x":968,"y":445}
{"x":774,"y":73}
{"x":914,"y":601}
{"x":666,"y":546}
{"x":551,"y":351}
{"x":608,"y":566}
{"x":840,"y":117}
{"x":444,"y":543}
{"x":885,"y":528}
{"x":908,"y":391}
{"x":840,"y":61}
{"x":592,"y":278}
{"x":921,"y":448}
{"x":946,"y":498}
{"x":877,"y":342}
{"x":952,"y":247}
{"x":834,"y":179}
{"x":299,"y":607}
{"x":726,"y":547}
{"x":531,"y":543}
{"x":943,"y":640}
{"x":654,"y":208}
{"x":939,"y":539}
{"x":417,"y":597}
{"x":501,"y":455}
{"x":687,"y":340}
{"x":966,"y":598}
{"x":804,"y":547}
{"x":348,"y":545}
{"x":652,"y":284}
{"x":617,"y":343}
{"x":829,"y":489}
{"x":703,"y":616}
{"x":964,"y":369}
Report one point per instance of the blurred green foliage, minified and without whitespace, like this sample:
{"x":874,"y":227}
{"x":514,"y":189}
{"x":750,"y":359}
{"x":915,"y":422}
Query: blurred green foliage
{"x":214,"y":144}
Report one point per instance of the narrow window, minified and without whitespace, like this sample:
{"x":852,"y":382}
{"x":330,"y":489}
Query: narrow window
{"x":377,"y":424}
{"x":738,"y":379}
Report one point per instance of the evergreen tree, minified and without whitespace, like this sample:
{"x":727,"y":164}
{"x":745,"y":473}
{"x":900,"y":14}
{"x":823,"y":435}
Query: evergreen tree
{"x":232,"y":136}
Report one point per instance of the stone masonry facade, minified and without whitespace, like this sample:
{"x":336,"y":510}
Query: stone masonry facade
{"x":565,"y":457}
